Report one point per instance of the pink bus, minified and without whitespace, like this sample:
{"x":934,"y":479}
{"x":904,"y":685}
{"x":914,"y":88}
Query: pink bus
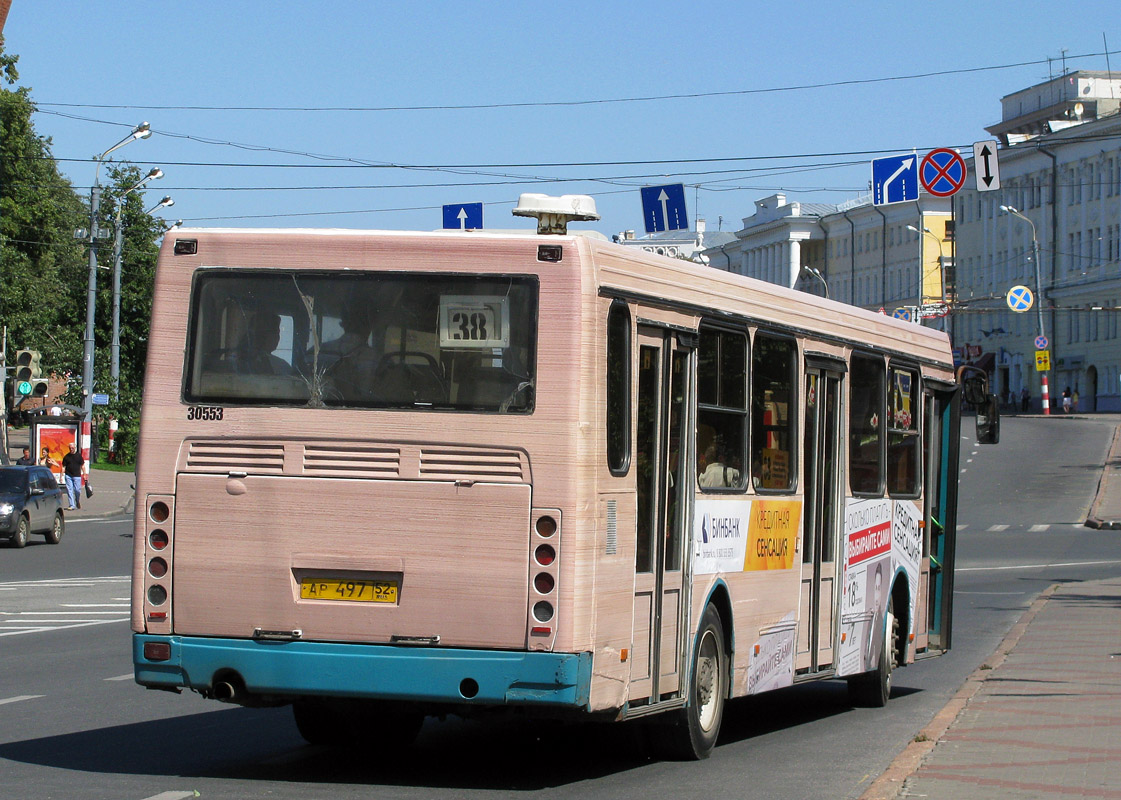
{"x":385,"y":475}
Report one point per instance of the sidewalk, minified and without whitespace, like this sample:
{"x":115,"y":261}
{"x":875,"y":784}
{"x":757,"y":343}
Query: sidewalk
{"x":112,"y":491}
{"x":1041,"y":717}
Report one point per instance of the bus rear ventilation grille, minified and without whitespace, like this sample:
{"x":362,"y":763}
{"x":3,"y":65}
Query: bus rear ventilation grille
{"x":359,"y":461}
{"x":231,"y":457}
{"x":503,"y":466}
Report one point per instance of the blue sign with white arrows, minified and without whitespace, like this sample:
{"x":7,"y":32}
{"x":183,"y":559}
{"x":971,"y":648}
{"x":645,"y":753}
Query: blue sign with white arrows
{"x":663,"y":208}
{"x":463,"y":217}
{"x":895,"y":179}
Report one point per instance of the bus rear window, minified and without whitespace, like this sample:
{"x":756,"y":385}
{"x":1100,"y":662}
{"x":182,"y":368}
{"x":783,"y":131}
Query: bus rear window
{"x":370,"y":340}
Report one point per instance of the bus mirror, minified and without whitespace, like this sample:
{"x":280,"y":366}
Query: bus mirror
{"x":988,"y":421}
{"x":974,"y":389}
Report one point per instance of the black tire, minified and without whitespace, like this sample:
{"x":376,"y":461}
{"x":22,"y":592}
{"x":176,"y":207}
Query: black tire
{"x":873,"y":689}
{"x":58,"y":527}
{"x":334,"y":722}
{"x":691,"y":733}
{"x":23,"y":531}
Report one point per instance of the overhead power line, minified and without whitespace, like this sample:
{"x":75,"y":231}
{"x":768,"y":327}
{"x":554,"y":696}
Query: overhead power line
{"x":586,"y":102}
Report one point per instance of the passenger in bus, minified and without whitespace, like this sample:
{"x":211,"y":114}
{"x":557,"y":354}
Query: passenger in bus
{"x":717,"y":474}
{"x":255,"y":354}
{"x":349,"y":361}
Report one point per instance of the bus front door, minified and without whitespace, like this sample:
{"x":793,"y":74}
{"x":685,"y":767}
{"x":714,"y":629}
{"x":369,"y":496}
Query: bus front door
{"x":821,"y":517}
{"x":941,"y":434}
{"x":663,"y":371}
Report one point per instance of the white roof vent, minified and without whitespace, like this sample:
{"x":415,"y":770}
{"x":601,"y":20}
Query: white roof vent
{"x":554,"y":213}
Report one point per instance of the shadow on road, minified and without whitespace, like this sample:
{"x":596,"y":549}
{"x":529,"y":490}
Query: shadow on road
{"x":507,"y":752}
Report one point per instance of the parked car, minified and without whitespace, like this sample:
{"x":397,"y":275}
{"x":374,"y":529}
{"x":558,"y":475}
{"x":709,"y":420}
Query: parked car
{"x":30,"y":502}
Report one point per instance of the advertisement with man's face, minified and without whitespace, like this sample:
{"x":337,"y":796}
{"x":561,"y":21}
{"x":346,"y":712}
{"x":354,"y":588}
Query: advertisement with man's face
{"x":883,"y":539}
{"x":867,"y":580}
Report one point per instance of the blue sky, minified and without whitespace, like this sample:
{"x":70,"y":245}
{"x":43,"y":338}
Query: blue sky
{"x":80,"y":58}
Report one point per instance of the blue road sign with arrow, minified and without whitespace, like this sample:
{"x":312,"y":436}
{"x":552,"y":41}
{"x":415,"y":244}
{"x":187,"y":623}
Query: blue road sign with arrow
{"x":663,"y":208}
{"x":463,"y":217}
{"x":895,"y":179}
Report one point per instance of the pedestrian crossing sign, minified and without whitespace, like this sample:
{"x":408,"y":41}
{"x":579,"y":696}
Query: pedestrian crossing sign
{"x":1042,"y":360}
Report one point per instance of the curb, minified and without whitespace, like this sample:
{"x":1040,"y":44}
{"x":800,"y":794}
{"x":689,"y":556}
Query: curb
{"x":1093,"y":519}
{"x":891,"y":781}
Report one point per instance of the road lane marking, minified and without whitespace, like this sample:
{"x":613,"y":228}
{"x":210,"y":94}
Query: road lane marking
{"x":4,"y":700}
{"x":1038,"y":528}
{"x":173,"y":795}
{"x":998,"y":528}
{"x":128,"y":676}
{"x":1038,"y":566}
{"x":94,"y":605}
{"x":54,"y":626}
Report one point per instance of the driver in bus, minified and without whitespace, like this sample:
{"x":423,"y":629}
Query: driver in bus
{"x":349,"y":360}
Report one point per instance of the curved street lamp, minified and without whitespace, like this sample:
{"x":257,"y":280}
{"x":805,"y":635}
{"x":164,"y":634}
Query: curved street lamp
{"x":118,"y":240}
{"x":817,"y":274}
{"x":1038,"y":295}
{"x":141,"y":131}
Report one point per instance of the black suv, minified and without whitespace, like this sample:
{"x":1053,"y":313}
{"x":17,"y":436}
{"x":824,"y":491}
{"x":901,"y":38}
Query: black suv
{"x":30,"y":502}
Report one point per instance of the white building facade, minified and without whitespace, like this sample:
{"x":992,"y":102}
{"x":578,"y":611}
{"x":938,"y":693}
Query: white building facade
{"x":1060,"y":168}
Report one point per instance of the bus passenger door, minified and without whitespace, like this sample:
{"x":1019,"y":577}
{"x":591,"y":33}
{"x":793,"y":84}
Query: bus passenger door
{"x":941,"y":432}
{"x":821,"y":517}
{"x":660,"y":459}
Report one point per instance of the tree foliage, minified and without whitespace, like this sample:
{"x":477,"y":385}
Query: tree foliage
{"x":44,"y":269}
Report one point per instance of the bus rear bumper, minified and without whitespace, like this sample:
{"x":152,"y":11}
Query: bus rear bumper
{"x":384,"y":672}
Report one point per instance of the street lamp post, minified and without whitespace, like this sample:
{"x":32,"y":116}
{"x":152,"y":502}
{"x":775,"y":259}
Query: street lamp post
{"x":817,"y":274}
{"x":941,"y":263}
{"x":1038,"y":295}
{"x":141,"y":131}
{"x":118,"y":240}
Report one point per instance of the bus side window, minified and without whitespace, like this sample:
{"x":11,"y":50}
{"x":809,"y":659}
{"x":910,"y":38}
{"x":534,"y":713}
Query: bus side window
{"x":866,"y":426}
{"x":774,"y":376}
{"x":721,"y":409}
{"x":618,"y":389}
{"x":903,"y":434}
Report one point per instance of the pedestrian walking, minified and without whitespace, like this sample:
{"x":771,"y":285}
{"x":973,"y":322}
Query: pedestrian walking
{"x":1025,"y":400}
{"x":72,"y":464}
{"x":1066,"y":400}
{"x":25,"y":460}
{"x":1074,"y":401}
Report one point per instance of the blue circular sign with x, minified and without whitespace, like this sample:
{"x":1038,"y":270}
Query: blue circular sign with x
{"x":1041,"y":342}
{"x":1020,"y":298}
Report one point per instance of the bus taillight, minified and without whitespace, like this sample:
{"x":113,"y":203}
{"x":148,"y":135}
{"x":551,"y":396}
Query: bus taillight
{"x":159,"y":564}
{"x":543,"y":578}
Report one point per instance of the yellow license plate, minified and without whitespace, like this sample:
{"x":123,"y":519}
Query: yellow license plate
{"x":359,"y":591}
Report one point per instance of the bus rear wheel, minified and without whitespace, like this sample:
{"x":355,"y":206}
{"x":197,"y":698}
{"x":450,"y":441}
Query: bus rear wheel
{"x":336,"y":722}
{"x":690,"y":734}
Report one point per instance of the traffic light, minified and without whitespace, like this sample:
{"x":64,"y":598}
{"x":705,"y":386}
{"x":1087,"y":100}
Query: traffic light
{"x":29,"y":380}
{"x":28,"y":365}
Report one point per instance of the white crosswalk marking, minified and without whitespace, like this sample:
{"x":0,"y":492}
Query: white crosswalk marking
{"x":28,"y":607}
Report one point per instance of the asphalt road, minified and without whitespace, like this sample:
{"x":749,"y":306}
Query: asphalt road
{"x":73,"y":724}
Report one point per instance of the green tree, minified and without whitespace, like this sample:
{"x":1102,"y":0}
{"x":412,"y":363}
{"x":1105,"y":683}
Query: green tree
{"x":39,"y":257}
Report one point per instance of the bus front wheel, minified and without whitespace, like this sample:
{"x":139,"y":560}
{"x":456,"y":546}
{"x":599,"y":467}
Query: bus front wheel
{"x":690,"y":734}
{"x":872,"y":689}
